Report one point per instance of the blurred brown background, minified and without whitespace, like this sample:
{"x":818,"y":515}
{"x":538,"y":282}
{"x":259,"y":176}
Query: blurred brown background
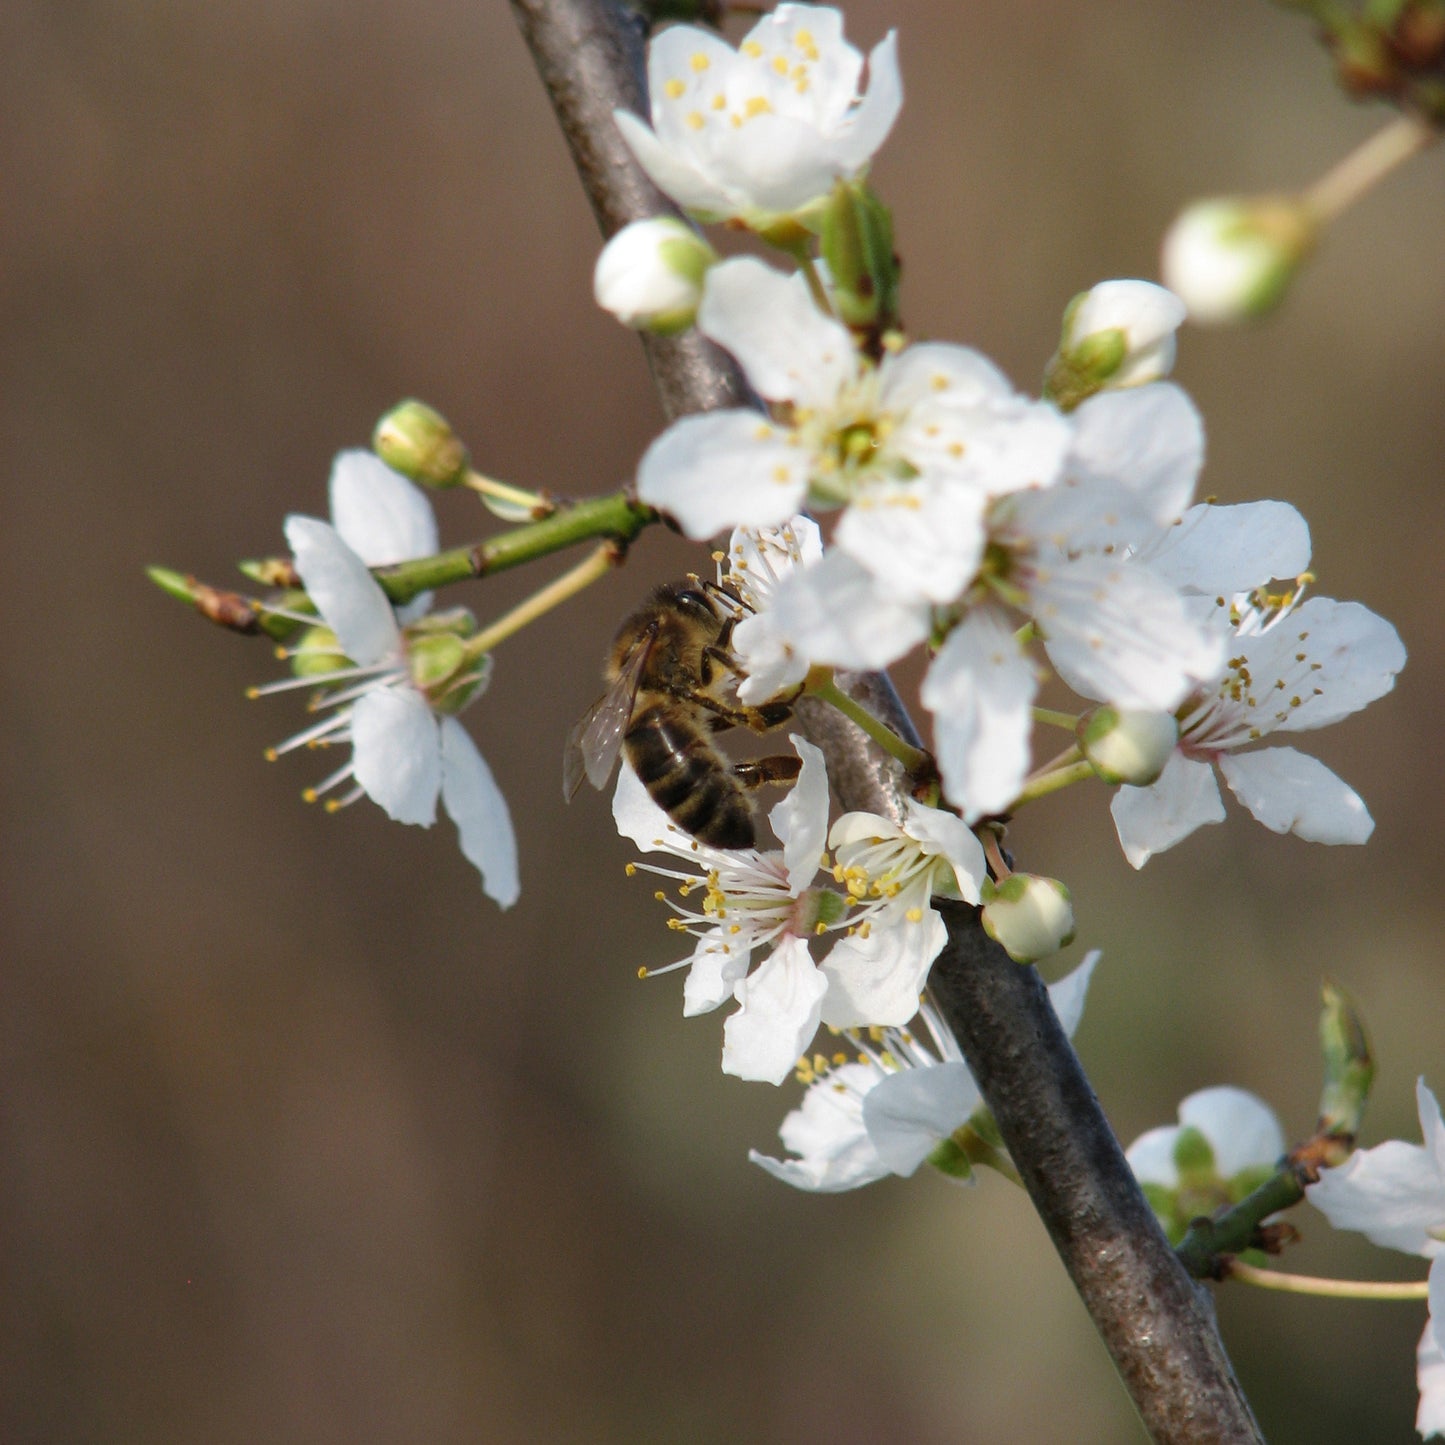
{"x":303,"y":1141}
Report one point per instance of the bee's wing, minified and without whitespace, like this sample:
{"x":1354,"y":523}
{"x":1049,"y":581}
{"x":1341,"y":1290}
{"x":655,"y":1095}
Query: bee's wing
{"x":593,"y":745}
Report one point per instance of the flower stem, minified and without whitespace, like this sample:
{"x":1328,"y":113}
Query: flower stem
{"x":1367,"y":165}
{"x":598,"y":563}
{"x":1053,"y":781}
{"x":917,"y":762}
{"x":615,"y":517}
{"x":1050,"y":718}
{"x":1326,"y":1288}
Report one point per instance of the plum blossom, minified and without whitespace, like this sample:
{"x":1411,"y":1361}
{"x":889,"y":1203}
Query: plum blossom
{"x":760,"y":133}
{"x":394,"y":688}
{"x":1394,"y":1194}
{"x":754,"y":899}
{"x":1226,"y":1143}
{"x":1291,"y":666}
{"x":896,"y":1104}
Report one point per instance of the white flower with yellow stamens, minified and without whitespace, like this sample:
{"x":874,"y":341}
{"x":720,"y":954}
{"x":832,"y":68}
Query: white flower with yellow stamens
{"x":759,"y":133}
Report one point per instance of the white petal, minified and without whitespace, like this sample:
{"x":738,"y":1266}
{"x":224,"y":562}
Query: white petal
{"x":1150,"y":439}
{"x":827,"y":1134}
{"x":347,"y":596}
{"x":1354,"y":652}
{"x":947,"y":834}
{"x":479,"y":810}
{"x":789,"y":349}
{"x":1432,"y":1128}
{"x":911,"y":1112}
{"x":941,"y":373}
{"x":921,"y":539}
{"x":718,"y":963}
{"x":801,"y":819}
{"x":1151,"y":1157}
{"x":778,"y":162}
{"x":639,"y":819}
{"x":380,"y":515}
{"x":676,"y":175}
{"x":837,"y":612}
{"x":1291,"y":792}
{"x":396,"y":753}
{"x":870,"y":123}
{"x":1430,"y":1367}
{"x":980,"y":690}
{"x":781,"y":1001}
{"x":1068,"y":994}
{"x":1222,"y":550}
{"x":1118,"y":633}
{"x":1149,"y":820}
{"x":1241,"y":1128}
{"x":723,"y":469}
{"x":876,"y":978}
{"x":1392,"y":1194}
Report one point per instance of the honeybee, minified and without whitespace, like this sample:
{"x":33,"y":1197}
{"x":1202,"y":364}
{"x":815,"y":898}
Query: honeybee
{"x":672,"y":684}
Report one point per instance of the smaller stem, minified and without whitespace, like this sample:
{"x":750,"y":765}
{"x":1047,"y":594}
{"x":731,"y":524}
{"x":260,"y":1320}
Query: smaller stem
{"x":597,"y":564}
{"x":1367,"y":165}
{"x":917,"y":762}
{"x":1053,"y":782}
{"x":993,"y":854}
{"x":1050,"y":718}
{"x":1326,"y":1288}
{"x":534,"y":502}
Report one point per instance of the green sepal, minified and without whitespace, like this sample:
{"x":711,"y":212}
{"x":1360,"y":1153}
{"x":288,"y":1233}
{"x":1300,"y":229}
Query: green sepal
{"x":949,"y":1159}
{"x":856,"y":241}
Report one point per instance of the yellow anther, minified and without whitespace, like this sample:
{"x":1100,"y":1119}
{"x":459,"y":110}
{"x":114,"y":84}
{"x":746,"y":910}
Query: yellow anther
{"x":782,"y":474}
{"x":780,"y":64}
{"x":674,"y":89}
{"x":270,"y":755}
{"x":758,"y":105}
{"x":719,"y":101}
{"x":698,"y":61}
{"x":751,"y":49}
{"x":693,"y":120}
{"x":631,"y":870}
{"x":253,"y":693}
{"x":914,"y":915}
{"x":309,"y":795}
{"x":642,"y":972}
{"x":660,"y":896}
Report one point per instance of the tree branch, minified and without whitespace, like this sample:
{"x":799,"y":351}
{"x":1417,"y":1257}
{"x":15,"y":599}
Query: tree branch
{"x":1156,"y":1323}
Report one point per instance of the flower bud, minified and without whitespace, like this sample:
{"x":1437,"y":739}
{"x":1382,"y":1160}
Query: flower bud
{"x":1230,"y":260}
{"x":419,"y":442}
{"x":317,"y":654}
{"x":1030,"y":916}
{"x":1349,"y":1067}
{"x":856,"y":241}
{"x":650,"y":274}
{"x":1119,"y":334}
{"x":1127,"y":745}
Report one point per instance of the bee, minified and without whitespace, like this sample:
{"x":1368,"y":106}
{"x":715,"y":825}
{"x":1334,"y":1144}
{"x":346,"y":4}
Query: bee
{"x":672,"y":684}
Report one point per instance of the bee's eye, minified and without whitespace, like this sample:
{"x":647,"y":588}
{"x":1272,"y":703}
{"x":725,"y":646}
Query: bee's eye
{"x":696,"y":602}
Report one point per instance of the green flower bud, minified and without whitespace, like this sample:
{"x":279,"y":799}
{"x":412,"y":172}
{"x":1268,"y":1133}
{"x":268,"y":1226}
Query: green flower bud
{"x":419,"y":442}
{"x":1127,"y":745}
{"x":857,"y":244}
{"x":1349,"y":1067}
{"x":1121,"y":333}
{"x":1030,"y":916}
{"x":317,"y":654}
{"x":1231,"y":260}
{"x":650,"y":275}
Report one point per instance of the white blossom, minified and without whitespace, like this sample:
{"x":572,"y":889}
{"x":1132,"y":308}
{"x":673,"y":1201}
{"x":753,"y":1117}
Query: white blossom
{"x":889,"y":1109}
{"x":758,"y":559}
{"x":405,"y":752}
{"x":1394,"y":1194}
{"x":1121,"y":333}
{"x":760,"y":133}
{"x":1291,"y":667}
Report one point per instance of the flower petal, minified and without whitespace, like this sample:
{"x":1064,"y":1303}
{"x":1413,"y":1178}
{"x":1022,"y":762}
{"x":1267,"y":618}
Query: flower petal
{"x":1068,"y":993}
{"x":876,"y":977}
{"x":1392,"y":1194}
{"x":909,"y":1113}
{"x":380,"y":515}
{"x":1291,"y":792}
{"x":827,"y":1134}
{"x":723,"y":469}
{"x":1430,"y":1365}
{"x":347,"y":596}
{"x":781,"y":1002}
{"x":479,"y":810}
{"x":396,"y":755}
{"x":1149,"y":820}
{"x":801,"y":819}
{"x":1222,"y":550}
{"x":1241,"y":1128}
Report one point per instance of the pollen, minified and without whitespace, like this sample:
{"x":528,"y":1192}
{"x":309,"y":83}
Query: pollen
{"x":780,"y":64}
{"x":751,"y":49}
{"x":674,"y":89}
{"x":693,"y":120}
{"x":914,"y":915}
{"x":805,"y":42}
{"x":719,"y":101}
{"x":757,"y":105}
{"x":631,"y":870}
{"x":782,"y":474}
{"x":698,"y":61}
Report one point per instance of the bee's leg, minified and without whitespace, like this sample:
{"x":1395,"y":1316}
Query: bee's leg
{"x":759,"y":719}
{"x":767,"y":770}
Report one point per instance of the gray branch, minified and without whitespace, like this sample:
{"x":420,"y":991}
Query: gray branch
{"x":1157,"y":1323}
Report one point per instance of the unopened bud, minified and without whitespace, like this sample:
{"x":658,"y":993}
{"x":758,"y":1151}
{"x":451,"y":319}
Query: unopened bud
{"x":1349,"y":1067}
{"x":317,"y":654}
{"x":857,"y":244}
{"x":1127,"y":745}
{"x":650,"y":274}
{"x":1119,"y":334}
{"x":417,"y":441}
{"x":433,"y":659}
{"x":1231,"y":260}
{"x":1030,"y":916}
